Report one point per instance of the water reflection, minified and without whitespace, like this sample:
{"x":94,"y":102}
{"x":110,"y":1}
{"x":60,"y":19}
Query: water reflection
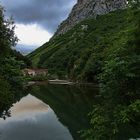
{"x":70,"y":103}
{"x":33,"y":117}
{"x":32,"y":120}
{"x":28,"y":105}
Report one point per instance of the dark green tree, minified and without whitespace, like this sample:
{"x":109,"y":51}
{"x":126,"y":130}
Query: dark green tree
{"x":10,"y":66}
{"x":7,"y":35}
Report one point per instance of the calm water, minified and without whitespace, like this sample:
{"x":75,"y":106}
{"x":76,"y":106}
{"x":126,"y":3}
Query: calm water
{"x":49,"y":112}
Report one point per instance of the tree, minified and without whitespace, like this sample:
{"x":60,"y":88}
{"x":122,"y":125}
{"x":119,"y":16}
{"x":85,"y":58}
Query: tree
{"x":10,"y":67}
{"x":7,"y":35}
{"x":134,"y":3}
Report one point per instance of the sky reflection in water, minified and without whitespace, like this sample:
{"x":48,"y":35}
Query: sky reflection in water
{"x":32,"y":120}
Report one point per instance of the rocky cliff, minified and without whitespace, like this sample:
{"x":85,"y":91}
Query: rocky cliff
{"x":89,"y":9}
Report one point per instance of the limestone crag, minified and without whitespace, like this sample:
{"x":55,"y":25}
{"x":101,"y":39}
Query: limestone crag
{"x":89,"y":9}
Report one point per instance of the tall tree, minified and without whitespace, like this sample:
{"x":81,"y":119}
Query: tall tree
{"x":7,"y":35}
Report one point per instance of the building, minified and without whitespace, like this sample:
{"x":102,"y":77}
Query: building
{"x":35,"y":72}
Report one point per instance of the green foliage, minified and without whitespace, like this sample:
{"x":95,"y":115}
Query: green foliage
{"x":119,"y":113}
{"x":11,"y":71}
{"x":19,"y":57}
{"x":5,"y":94}
{"x":78,"y":54}
{"x":134,"y":3}
{"x":11,"y":80}
{"x":7,"y":36}
{"x":107,"y":53}
{"x":37,"y":78}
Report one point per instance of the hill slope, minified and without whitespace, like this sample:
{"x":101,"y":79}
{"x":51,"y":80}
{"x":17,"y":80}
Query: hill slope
{"x":85,"y":9}
{"x":107,"y":51}
{"x":80,"y":53}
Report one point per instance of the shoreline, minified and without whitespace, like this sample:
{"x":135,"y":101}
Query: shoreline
{"x":62,"y":82}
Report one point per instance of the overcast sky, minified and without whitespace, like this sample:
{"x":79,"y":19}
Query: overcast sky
{"x":36,"y":20}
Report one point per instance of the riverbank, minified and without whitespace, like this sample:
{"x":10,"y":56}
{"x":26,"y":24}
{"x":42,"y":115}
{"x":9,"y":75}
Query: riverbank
{"x":61,"y":82}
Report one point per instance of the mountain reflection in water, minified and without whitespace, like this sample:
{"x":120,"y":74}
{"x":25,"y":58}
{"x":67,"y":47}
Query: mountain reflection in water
{"x":31,"y":119}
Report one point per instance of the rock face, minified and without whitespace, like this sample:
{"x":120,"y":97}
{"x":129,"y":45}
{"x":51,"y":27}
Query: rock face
{"x":89,"y":9}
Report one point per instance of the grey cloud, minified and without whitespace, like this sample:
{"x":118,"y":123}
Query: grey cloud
{"x":47,"y":13}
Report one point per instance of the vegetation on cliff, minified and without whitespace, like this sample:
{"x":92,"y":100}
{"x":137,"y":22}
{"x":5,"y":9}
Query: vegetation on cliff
{"x":107,"y":51}
{"x":118,"y":113}
{"x":80,"y":53}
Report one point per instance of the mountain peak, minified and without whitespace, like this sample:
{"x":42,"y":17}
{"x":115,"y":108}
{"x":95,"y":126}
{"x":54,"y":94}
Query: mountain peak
{"x":85,"y":9}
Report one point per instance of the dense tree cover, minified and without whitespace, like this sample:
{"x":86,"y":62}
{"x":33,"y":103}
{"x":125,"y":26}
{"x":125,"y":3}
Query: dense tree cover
{"x":108,"y":52}
{"x":11,"y":81}
{"x":79,"y":54}
{"x":118,"y":114}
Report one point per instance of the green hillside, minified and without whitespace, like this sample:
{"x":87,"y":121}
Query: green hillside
{"x":107,"y":52}
{"x":80,"y":53}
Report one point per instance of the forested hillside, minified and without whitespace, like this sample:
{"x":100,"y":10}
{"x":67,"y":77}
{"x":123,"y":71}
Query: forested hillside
{"x":105,"y":50}
{"x":81,"y":53}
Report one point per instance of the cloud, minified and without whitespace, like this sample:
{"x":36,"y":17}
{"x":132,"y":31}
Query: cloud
{"x":36,"y":20}
{"x":46,"y":13}
{"x":30,"y":122}
{"x":32,"y":34}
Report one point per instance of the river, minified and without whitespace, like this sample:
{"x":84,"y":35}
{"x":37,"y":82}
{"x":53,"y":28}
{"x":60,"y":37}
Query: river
{"x":49,"y":112}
